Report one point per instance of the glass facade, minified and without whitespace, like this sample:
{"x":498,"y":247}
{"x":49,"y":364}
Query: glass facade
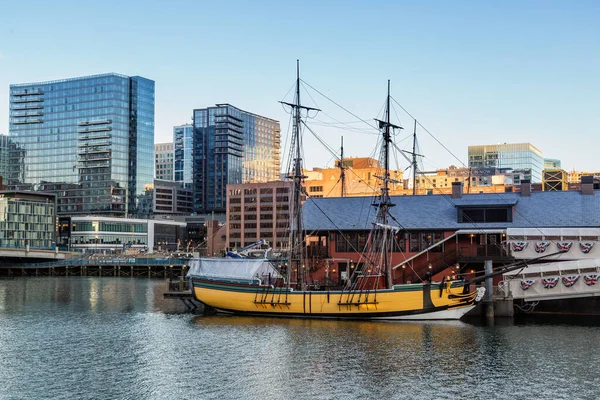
{"x":231,"y":146}
{"x":3,"y":159}
{"x":27,"y":219}
{"x":551,"y":163}
{"x":516,"y":156}
{"x":90,"y":140}
{"x":183,"y":141}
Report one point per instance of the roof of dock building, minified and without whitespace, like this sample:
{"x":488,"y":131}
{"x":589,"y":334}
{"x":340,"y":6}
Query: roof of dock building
{"x":539,"y":209}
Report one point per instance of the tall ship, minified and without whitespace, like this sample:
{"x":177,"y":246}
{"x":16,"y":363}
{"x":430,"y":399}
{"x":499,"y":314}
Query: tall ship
{"x":239,"y":284}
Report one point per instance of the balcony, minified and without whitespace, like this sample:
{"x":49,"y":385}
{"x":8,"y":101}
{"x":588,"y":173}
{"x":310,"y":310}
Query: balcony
{"x":29,"y":107}
{"x":28,"y":100}
{"x":90,"y":164}
{"x":86,"y":144}
{"x":94,"y":137}
{"x":96,"y":129}
{"x":29,"y":121}
{"x":28,"y":114}
{"x":93,"y":151}
{"x":84,"y":158}
{"x":96,"y":122}
{"x":27,"y":93}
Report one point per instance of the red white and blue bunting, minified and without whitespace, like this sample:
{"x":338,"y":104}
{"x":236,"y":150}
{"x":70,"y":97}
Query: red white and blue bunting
{"x":549,"y":283}
{"x":591,"y":279}
{"x":519,"y":246}
{"x":526,"y":284}
{"x":569,"y":280}
{"x":564,"y":247}
{"x":586,"y":247}
{"x":541,"y":247}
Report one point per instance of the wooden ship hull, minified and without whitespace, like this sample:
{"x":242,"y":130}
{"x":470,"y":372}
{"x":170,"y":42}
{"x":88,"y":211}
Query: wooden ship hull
{"x":433,"y":301}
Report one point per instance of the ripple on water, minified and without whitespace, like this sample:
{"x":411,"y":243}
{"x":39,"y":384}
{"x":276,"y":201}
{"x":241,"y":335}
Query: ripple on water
{"x":110,"y":338}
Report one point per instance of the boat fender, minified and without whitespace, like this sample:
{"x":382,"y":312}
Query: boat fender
{"x":480,"y":294}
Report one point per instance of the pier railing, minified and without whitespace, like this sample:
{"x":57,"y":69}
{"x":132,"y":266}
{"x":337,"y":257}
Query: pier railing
{"x":108,"y":262}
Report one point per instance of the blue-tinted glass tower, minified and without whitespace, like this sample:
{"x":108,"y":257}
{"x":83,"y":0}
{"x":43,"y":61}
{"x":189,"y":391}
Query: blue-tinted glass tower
{"x":231,"y":146}
{"x":88,"y":139}
{"x":517,"y":156}
{"x":183,"y":141}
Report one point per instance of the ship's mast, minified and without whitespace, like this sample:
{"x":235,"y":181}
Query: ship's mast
{"x":385,"y":202}
{"x":297,"y":235}
{"x":342,"y":170}
{"x":414,"y":159}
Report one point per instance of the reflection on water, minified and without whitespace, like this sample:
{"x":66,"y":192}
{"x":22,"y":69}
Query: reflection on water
{"x":91,"y":338}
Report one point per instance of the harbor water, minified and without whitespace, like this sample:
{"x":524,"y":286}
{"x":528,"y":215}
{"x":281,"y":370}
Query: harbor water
{"x":117,"y":338}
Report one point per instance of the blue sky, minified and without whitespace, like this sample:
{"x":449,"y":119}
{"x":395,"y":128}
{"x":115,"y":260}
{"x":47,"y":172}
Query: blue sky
{"x":472,"y":72}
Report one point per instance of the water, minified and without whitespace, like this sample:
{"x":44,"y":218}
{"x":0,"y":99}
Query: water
{"x":117,"y":338}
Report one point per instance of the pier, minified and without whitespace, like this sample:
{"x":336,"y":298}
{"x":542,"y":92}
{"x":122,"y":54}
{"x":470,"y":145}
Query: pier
{"x":102,"y":266}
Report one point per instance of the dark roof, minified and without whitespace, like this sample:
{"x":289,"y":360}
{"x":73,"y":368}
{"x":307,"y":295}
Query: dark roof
{"x":541,"y":209}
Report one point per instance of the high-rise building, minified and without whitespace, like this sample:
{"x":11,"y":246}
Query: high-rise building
{"x":3,"y":159}
{"x":551,"y":163}
{"x":88,"y":139}
{"x":183,"y":142}
{"x":163,"y":161}
{"x":517,"y":156}
{"x":231,"y":146}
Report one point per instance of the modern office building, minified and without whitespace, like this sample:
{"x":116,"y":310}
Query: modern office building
{"x":231,"y":146}
{"x":113,"y":235}
{"x":3,"y":158}
{"x":27,"y":219}
{"x":551,"y":163}
{"x":259,"y":211}
{"x":183,"y":142}
{"x":88,"y":139}
{"x":163,"y":161}
{"x":517,"y":156}
{"x":171,"y":198}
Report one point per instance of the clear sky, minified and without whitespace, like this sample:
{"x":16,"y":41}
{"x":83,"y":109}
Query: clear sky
{"x":472,"y":72}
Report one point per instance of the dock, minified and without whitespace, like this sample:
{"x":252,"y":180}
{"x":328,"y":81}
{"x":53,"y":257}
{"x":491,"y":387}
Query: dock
{"x":180,"y":289}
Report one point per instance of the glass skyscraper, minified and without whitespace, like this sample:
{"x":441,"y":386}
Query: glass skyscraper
{"x":183,"y":141}
{"x":3,"y":159}
{"x":516,"y":156}
{"x":231,"y":146}
{"x":90,"y":140}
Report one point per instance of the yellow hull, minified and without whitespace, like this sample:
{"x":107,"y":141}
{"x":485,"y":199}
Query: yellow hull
{"x":402,"y":302}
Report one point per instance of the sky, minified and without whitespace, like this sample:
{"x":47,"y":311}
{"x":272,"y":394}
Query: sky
{"x":471,"y":72}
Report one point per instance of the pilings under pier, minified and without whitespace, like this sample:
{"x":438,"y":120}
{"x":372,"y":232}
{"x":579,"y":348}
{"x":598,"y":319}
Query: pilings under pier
{"x":143,"y":271}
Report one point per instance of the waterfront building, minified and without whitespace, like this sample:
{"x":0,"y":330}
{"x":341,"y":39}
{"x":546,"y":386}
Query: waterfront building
{"x":259,"y":211}
{"x":453,"y":233}
{"x":163,"y":161}
{"x":231,"y":146}
{"x":88,"y":139}
{"x":183,"y":142}
{"x":96,"y":234}
{"x":171,"y":198}
{"x":27,"y":220}
{"x":516,"y":156}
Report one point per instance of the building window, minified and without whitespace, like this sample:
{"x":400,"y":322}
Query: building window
{"x":484,"y":214}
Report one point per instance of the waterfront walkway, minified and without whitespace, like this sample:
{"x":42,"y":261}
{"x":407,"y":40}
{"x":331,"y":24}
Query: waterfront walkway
{"x":102,"y":266}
